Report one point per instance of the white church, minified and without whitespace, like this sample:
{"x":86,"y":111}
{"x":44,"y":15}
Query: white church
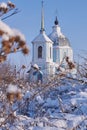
{"x":49,"y":50}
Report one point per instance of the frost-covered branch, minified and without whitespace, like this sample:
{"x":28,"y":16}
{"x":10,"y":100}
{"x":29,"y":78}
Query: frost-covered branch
{"x":12,"y":40}
{"x":5,"y":8}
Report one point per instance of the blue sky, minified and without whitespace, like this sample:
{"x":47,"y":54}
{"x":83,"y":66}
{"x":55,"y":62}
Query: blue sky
{"x":72,"y":16}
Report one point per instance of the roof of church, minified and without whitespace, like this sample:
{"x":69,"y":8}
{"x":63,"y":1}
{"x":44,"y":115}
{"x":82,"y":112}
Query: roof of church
{"x":42,"y":37}
{"x":57,"y":37}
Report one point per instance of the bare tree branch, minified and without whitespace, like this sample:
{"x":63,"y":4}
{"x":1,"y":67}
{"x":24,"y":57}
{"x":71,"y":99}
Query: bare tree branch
{"x":15,"y":12}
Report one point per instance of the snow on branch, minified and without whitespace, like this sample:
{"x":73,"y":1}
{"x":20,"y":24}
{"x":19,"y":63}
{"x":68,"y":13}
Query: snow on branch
{"x":12,"y":40}
{"x":6,"y":7}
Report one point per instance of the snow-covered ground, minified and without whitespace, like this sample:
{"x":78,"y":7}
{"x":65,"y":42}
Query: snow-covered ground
{"x":59,"y":108}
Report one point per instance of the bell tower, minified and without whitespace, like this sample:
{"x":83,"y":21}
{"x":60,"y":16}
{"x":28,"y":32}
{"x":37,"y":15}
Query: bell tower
{"x":43,"y":49}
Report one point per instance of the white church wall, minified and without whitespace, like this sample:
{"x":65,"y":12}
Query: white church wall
{"x":56,"y":55}
{"x":50,"y":68}
{"x":70,"y":53}
{"x":48,"y":58}
{"x":65,"y":51}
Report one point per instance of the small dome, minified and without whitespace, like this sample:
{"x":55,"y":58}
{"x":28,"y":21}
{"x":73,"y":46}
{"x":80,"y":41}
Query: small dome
{"x":60,"y":41}
{"x":63,"y":41}
{"x":56,"y":21}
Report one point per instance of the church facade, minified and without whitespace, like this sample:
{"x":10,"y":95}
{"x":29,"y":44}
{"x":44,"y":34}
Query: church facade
{"x":49,"y":51}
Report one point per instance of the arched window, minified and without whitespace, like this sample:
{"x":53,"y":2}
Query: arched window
{"x":40,"y":52}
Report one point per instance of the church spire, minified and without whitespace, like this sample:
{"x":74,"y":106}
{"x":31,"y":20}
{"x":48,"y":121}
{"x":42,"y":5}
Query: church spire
{"x":56,"y":21}
{"x":42,"y":19}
